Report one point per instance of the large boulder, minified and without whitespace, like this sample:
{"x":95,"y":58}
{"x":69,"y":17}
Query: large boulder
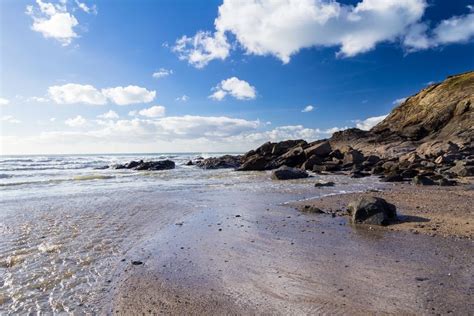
{"x":463,"y":169}
{"x":287,"y":173}
{"x":155,"y":165}
{"x":292,"y":158}
{"x":372,"y":210}
{"x":254,"y":162}
{"x":311,"y":162}
{"x":320,"y":149}
{"x":353,"y":157}
{"x":227,"y":161}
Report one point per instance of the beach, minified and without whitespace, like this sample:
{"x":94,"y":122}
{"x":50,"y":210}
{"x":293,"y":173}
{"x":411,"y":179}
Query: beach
{"x":273,"y":259}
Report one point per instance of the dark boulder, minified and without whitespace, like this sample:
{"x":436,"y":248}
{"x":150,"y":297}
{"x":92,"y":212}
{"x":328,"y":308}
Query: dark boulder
{"x":155,"y":165}
{"x":284,"y":146}
{"x":227,"y":161}
{"x":254,"y":162}
{"x":292,"y":158}
{"x":353,"y":157}
{"x":392,"y":177}
{"x":189,"y":163}
{"x":422,"y":180}
{"x":287,"y":173}
{"x":311,"y":161}
{"x":321,"y":184}
{"x":463,"y":169}
{"x":320,"y":149}
{"x":372,"y":210}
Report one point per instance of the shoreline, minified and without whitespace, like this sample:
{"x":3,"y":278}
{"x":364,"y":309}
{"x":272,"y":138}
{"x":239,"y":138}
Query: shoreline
{"x":271,"y":258}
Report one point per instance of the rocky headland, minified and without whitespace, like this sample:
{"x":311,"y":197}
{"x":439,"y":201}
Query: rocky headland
{"x":428,"y":140}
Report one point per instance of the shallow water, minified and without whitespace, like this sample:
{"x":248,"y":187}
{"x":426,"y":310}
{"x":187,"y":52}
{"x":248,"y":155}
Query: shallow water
{"x":65,"y":226}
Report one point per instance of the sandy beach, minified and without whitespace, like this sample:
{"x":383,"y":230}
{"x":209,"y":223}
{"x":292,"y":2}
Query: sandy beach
{"x":262,"y":257}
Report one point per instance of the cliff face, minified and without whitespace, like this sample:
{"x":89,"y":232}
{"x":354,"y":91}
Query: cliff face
{"x":439,"y":115}
{"x":443,"y":112}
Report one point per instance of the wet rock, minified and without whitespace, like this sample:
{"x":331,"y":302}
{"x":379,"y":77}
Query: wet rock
{"x":137,"y":262}
{"x":422,"y":180}
{"x":372,"y":210}
{"x":409,"y":173}
{"x":392,"y":177}
{"x":446,"y":182}
{"x":101,"y":168}
{"x":320,"y":184}
{"x":227,"y":161}
{"x":155,"y":165}
{"x":288,"y":173}
{"x":254,"y":162}
{"x":358,"y":174}
{"x":189,"y":163}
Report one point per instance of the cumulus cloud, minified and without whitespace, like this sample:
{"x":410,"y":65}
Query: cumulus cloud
{"x":154,"y":111}
{"x":77,"y":93}
{"x":457,"y":29}
{"x":9,"y":119}
{"x":129,"y":95}
{"x":183,"y":98}
{"x":84,"y":7}
{"x":110,"y":115}
{"x":239,"y":89}
{"x":4,"y":101}
{"x":37,"y":99}
{"x":55,"y":21}
{"x":282,"y":28}
{"x":370,"y":122}
{"x":162,"y":72}
{"x":76,"y":121}
{"x":308,"y":108}
{"x":201,"y":48}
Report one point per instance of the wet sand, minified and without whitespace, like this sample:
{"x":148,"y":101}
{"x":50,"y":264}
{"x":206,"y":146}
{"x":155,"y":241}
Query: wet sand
{"x":251,"y":255}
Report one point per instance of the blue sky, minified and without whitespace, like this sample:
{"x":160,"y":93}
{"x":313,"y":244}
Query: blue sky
{"x":77,"y":76}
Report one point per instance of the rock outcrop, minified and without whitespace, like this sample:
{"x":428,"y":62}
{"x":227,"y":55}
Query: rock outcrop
{"x":429,"y":136}
{"x":288,"y":173}
{"x":147,"y":165}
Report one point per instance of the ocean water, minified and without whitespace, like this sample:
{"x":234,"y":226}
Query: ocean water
{"x":65,"y":225}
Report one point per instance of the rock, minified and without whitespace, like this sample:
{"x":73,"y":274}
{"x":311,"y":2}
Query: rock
{"x":462,"y":169}
{"x":372,"y":210}
{"x":255,"y":162}
{"x":155,"y":165}
{"x":377,"y":170}
{"x":321,"y":149}
{"x":311,"y":209}
{"x":311,"y":161}
{"x":392,"y":177}
{"x":411,"y":157}
{"x":102,"y":168}
{"x":408,"y":173}
{"x":390,"y":166}
{"x":358,"y":174}
{"x":371,"y":160}
{"x":353,"y":157}
{"x":336,"y":154}
{"x":445,"y":182}
{"x":133,"y":164}
{"x":227,"y":161}
{"x":422,"y":180}
{"x":137,"y":262}
{"x":320,"y":184}
{"x":287,"y":173}
{"x":294,"y":157}
{"x":189,"y":163}
{"x":284,"y":146}
{"x":433,"y":149}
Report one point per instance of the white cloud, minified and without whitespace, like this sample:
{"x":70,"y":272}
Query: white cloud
{"x":308,"y":108}
{"x":53,"y":21}
{"x":53,"y":119}
{"x":183,"y":98}
{"x":399,"y":101}
{"x":129,"y":95}
{"x":85,"y":8}
{"x":9,"y":119}
{"x":133,"y":113}
{"x":457,"y":29}
{"x":154,"y":111}
{"x":162,"y":72}
{"x":76,"y":93}
{"x":203,"y":47}
{"x":239,"y":89}
{"x":76,"y":121}
{"x":37,"y":99}
{"x":370,"y":122}
{"x":109,"y":115}
{"x":282,"y":28}
{"x":4,"y":101}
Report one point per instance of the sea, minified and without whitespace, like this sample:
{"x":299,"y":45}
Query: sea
{"x":66,"y":223}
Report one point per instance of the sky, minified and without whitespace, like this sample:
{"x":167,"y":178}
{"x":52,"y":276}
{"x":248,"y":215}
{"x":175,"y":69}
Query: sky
{"x":91,"y":76}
